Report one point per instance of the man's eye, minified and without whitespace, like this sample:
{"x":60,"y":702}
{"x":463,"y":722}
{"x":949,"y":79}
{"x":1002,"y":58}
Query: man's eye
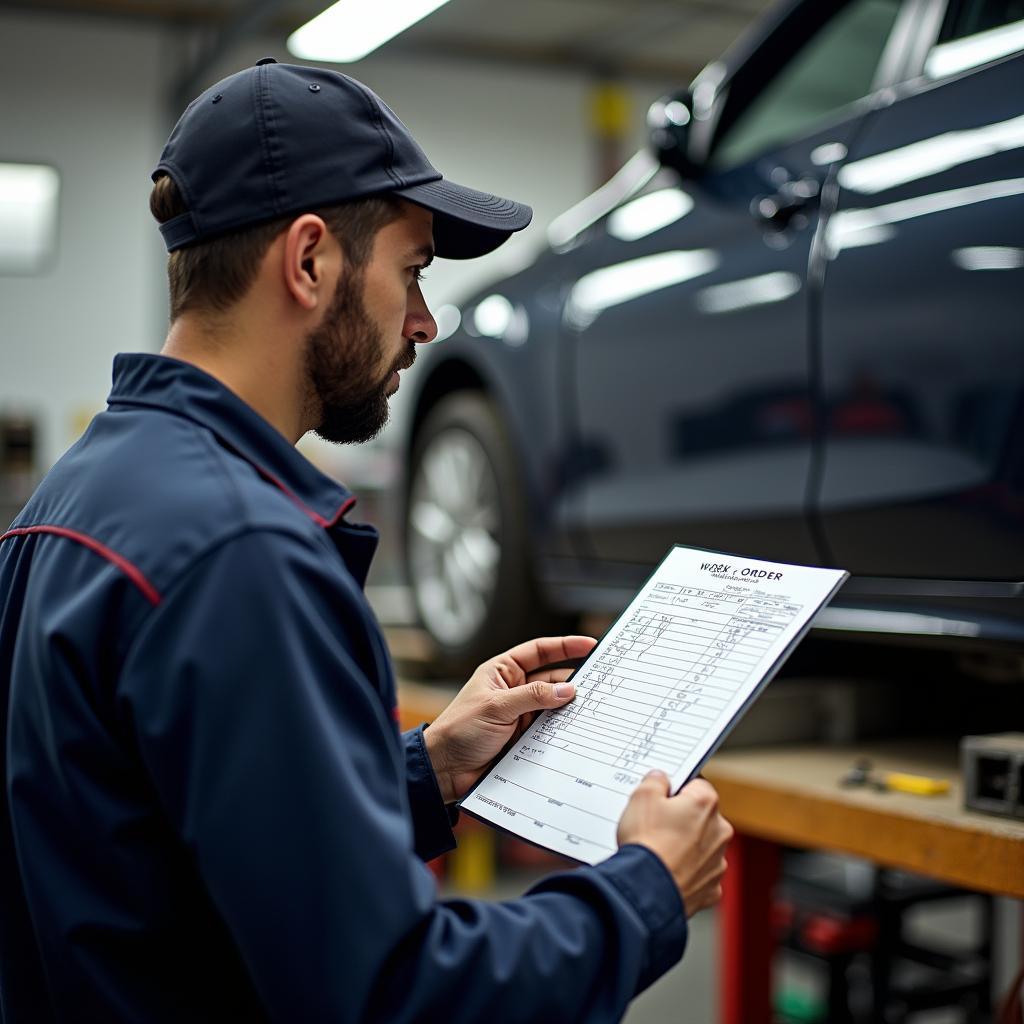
{"x":418,"y":273}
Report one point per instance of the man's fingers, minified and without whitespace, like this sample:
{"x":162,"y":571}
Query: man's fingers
{"x":534,"y":696}
{"x":547,"y":650}
{"x":552,"y":675}
{"x":702,"y":793}
{"x":655,"y":781}
{"x":725,"y":832}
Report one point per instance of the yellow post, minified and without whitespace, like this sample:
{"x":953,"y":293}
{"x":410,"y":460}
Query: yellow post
{"x":610,"y":125}
{"x":472,"y":864}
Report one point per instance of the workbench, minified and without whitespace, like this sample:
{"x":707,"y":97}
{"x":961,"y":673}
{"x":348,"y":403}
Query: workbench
{"x":790,"y":796}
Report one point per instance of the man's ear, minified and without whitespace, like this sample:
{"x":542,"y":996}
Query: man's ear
{"x":312,"y":261}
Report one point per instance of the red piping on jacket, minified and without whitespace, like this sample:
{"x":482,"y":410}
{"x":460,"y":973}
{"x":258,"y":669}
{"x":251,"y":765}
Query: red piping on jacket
{"x":315,"y":516}
{"x":131,"y":571}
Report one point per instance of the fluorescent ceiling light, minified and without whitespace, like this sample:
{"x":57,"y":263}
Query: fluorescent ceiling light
{"x":829,"y":153}
{"x":854,"y":232}
{"x":28,"y":216}
{"x":849,"y":229}
{"x":350,"y":29}
{"x":622,"y":282}
{"x":988,"y":257}
{"x":750,"y":291}
{"x":869,"y":620}
{"x":931,"y":156}
{"x":652,"y":212}
{"x":961,"y":54}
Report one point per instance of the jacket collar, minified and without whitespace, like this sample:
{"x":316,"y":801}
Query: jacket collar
{"x":178,"y":387}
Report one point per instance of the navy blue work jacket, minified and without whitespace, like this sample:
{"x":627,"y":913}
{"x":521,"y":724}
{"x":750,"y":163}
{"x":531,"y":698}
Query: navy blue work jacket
{"x":209,"y":811}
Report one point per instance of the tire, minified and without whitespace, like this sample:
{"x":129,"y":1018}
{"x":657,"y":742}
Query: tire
{"x":467,"y":544}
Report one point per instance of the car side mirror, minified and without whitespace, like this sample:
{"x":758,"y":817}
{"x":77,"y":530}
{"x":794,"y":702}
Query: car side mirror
{"x":668,"y":121}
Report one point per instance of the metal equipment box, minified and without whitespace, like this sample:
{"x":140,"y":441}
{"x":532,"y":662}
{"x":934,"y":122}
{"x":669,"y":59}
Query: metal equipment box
{"x":993,"y":770}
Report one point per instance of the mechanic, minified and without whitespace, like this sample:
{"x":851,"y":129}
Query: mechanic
{"x":209,"y":811}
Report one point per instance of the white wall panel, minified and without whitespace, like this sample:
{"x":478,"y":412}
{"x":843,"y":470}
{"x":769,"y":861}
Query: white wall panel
{"x":80,"y":94}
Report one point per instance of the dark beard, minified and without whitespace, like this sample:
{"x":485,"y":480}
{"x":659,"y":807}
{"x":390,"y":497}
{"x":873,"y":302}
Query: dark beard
{"x":342,"y":356}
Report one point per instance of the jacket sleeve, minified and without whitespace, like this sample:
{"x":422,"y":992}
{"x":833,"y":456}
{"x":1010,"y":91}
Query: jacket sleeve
{"x":432,"y":821}
{"x":279,"y":767}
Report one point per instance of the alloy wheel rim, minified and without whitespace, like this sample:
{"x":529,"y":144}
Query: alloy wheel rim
{"x":454,"y":529}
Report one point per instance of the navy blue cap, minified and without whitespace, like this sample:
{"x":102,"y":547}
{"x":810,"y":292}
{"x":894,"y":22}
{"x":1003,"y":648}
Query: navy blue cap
{"x":277,"y":139}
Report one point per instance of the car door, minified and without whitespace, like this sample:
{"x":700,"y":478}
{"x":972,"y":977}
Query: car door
{"x":922,"y":338}
{"x":688,"y":320}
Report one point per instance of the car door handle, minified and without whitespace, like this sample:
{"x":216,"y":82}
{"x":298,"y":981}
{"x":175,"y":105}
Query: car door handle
{"x":777,"y":209}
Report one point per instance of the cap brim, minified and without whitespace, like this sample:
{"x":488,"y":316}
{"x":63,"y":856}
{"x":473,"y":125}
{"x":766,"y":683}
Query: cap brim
{"x":467,"y":223}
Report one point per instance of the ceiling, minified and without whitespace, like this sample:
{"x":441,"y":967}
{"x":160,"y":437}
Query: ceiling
{"x":639,"y":39}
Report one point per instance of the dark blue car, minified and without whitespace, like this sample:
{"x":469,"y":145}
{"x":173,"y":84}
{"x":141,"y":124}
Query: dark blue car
{"x":791,"y":329}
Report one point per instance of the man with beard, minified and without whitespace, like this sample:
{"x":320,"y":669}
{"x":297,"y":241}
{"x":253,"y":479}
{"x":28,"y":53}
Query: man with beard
{"x":209,"y":811}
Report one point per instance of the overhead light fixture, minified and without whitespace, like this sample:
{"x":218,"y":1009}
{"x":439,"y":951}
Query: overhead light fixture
{"x":961,"y":54}
{"x":747,"y":292}
{"x":652,"y":212}
{"x":28,"y":217}
{"x":849,"y":229}
{"x":350,"y":29}
{"x":894,"y":167}
{"x":988,"y":257}
{"x":610,"y":286}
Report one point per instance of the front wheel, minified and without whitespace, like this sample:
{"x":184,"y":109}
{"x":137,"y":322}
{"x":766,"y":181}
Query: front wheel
{"x":467,"y":545}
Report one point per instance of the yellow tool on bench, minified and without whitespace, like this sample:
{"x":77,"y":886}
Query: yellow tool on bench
{"x":863,"y":774}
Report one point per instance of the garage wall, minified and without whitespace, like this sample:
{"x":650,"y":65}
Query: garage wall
{"x":79,"y":95}
{"x":86,"y":95}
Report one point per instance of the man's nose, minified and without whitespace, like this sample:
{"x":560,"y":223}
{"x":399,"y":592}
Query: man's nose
{"x":420,"y":325}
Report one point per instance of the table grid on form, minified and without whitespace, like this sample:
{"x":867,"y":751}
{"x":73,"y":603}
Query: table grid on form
{"x":666,"y":677}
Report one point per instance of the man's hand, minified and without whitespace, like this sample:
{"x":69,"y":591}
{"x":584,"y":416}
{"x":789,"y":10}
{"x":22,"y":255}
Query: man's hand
{"x":500,"y":700}
{"x":685,"y":831}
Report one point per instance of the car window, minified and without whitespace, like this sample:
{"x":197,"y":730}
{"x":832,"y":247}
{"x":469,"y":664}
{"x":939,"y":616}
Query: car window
{"x":975,"y":32}
{"x":835,"y":67}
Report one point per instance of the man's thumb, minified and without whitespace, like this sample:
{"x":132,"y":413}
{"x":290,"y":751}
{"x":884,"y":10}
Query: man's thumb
{"x":536,"y":696}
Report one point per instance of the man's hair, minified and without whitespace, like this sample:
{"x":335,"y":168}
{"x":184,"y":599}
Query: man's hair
{"x":212,"y":276}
